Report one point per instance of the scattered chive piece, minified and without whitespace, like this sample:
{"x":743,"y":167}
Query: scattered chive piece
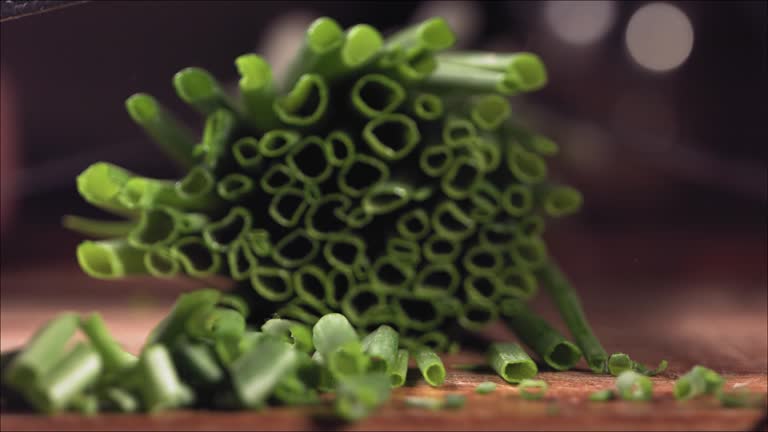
{"x":511,"y":362}
{"x":485,"y":387}
{"x":113,"y":357}
{"x":741,"y":399}
{"x":161,"y":386}
{"x":454,"y":401}
{"x":358,"y":395}
{"x":431,"y":367}
{"x":533,"y":389}
{"x":698,"y":381}
{"x":618,"y":363}
{"x":631,"y":385}
{"x":381,"y":346}
{"x":256,"y":373}
{"x":423,"y":402}
{"x":399,"y":369}
{"x":602,"y":395}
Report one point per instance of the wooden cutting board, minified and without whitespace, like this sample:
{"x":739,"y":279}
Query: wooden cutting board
{"x":721,"y":328}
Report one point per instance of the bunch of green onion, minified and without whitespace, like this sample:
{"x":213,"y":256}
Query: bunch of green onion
{"x":384,"y":179}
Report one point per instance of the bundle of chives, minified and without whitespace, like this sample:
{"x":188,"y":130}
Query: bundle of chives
{"x":383,"y":179}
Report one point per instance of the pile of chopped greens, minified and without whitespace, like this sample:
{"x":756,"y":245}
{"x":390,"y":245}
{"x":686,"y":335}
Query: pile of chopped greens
{"x":372,"y":205}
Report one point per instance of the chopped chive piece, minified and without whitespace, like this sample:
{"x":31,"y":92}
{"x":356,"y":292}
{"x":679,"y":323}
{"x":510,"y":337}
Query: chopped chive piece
{"x":431,"y":367}
{"x":257,"y":89}
{"x":533,"y":389}
{"x":741,"y":399}
{"x":423,"y":402}
{"x":602,"y":395}
{"x":305,"y":104}
{"x":42,"y":352}
{"x":454,"y":401}
{"x":618,"y":363}
{"x":698,"y":381}
{"x":186,"y":306}
{"x":485,"y":387}
{"x":113,"y":357}
{"x":357,"y":396}
{"x":392,"y":136}
{"x":631,"y":385}
{"x":374,"y":94}
{"x":257,"y":372}
{"x":197,"y":363}
{"x":199,"y":89}
{"x":398,"y":371}
{"x":120,"y":400}
{"x":77,"y":370}
{"x":381,"y":346}
{"x":511,"y":362}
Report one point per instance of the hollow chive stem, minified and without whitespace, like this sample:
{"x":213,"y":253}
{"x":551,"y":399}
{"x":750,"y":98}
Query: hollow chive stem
{"x":519,"y":283}
{"x":114,"y":358}
{"x":360,"y":174}
{"x":435,"y":160}
{"x":96,"y":227}
{"x":297,"y":334}
{"x":41,"y":352}
{"x":234,"y":186}
{"x":464,"y":78}
{"x":441,"y":249}
{"x":258,"y":372}
{"x":536,"y":333}
{"x":161,"y":387}
{"x":386,"y":197}
{"x":403,"y":250}
{"x":174,"y":138}
{"x":391,"y":136}
{"x":219,"y":235}
{"x":477,"y":314}
{"x":110,"y":259}
{"x":305,"y":104}
{"x":120,"y":400}
{"x":272,"y":283}
{"x":360,"y":300}
{"x":490,"y":111}
{"x":432,"y":35}
{"x":220,"y":126}
{"x":101,"y":183}
{"x":295,"y":249}
{"x":311,"y":284}
{"x":375,"y":94}
{"x":427,"y":106}
{"x":198,"y":88}
{"x":524,"y":71}
{"x":436,"y":280}
{"x":451,"y":222}
{"x":568,"y":304}
{"x":339,"y":147}
{"x":336,"y":340}
{"x":257,"y":90}
{"x":462,"y":178}
{"x":559,"y":201}
{"x":77,"y":370}
{"x":527,"y":167}
{"x":288,"y":206}
{"x":196,"y":257}
{"x":161,"y":263}
{"x":511,"y":362}
{"x":198,"y":364}
{"x":309,"y":162}
{"x":431,"y":367}
{"x":186,"y":306}
{"x":344,"y":253}
{"x":381,"y":345}
{"x":398,"y":372}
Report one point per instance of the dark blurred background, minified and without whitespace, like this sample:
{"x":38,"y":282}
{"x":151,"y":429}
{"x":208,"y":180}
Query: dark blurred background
{"x":660,"y":110}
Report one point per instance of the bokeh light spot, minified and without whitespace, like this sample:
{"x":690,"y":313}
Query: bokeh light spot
{"x":659,"y":37}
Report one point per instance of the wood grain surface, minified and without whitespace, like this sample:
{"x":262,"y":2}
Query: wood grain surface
{"x":715,"y":321}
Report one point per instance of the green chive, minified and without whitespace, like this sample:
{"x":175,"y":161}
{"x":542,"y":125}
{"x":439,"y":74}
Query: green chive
{"x":381,"y":346}
{"x":173,"y":137}
{"x":374,"y":94}
{"x":398,"y":371}
{"x":110,"y":259}
{"x":357,"y":396}
{"x":631,"y":385}
{"x":200,"y":89}
{"x":431,"y":367}
{"x":536,"y":333}
{"x":186,"y":306}
{"x":97,"y":228}
{"x":423,"y":402}
{"x":257,"y":372}
{"x":569,"y":306}
{"x":305,"y":104}
{"x":485,"y":387}
{"x":401,"y":137}
{"x":427,"y":106}
{"x":698,"y":381}
{"x":339,"y":147}
{"x":113,"y":357}
{"x":511,"y":362}
{"x":602,"y":395}
{"x":161,"y":387}
{"x":454,"y":401}
{"x":257,"y":90}
{"x":532,"y":389}
{"x":42,"y":352}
